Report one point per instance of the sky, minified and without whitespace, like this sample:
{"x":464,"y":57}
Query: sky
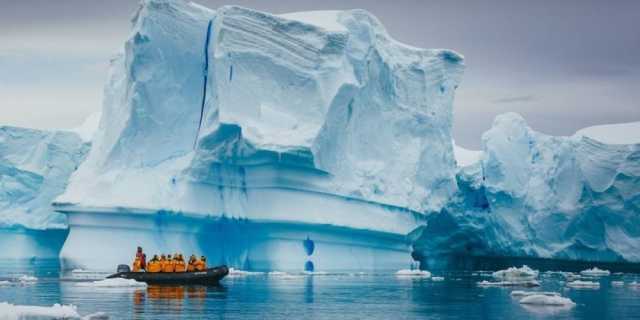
{"x":563,"y":65}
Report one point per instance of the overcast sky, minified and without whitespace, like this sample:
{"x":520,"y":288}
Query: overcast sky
{"x":563,"y":65}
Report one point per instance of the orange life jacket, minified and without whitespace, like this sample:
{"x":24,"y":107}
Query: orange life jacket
{"x":191,"y":266}
{"x":169,"y":266}
{"x":200,"y":265}
{"x":136,"y":265}
{"x":180,"y":266}
{"x":154,"y":266}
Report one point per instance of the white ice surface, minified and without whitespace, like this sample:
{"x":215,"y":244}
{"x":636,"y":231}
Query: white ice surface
{"x":413,"y":273}
{"x":546,"y":300}
{"x":619,"y":133}
{"x":10,"y":312}
{"x":595,"y":272}
{"x":579,"y":284}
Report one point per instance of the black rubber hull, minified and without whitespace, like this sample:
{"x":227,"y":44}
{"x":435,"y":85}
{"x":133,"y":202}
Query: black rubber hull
{"x":211,"y":276}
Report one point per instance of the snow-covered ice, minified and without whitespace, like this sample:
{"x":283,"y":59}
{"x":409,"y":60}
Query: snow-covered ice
{"x":536,"y":195}
{"x":520,"y":293}
{"x":523,"y":273}
{"x":546,"y":300}
{"x":520,"y":283}
{"x":595,"y":272}
{"x":295,"y":154}
{"x":579,"y":284}
{"x":10,"y":311}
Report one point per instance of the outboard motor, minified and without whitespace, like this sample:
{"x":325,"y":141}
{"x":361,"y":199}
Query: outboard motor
{"x":123,"y":268}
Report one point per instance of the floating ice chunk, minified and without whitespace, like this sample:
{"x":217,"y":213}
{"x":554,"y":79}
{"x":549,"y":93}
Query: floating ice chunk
{"x":11,"y":311}
{"x":595,"y":272}
{"x":241,"y":273}
{"x":547,"y":300}
{"x":522,"y":283}
{"x":634,"y":284}
{"x":617,"y":283}
{"x":520,"y":293}
{"x":413,"y":273}
{"x":516,"y":274}
{"x":4,"y":283}
{"x":578,"y":284}
{"x":26,"y":279}
{"x":437,"y":278}
{"x":114,"y":283}
{"x":96,"y":316}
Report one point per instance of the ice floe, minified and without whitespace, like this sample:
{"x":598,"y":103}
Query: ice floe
{"x":413,"y":273}
{"x":516,"y":274}
{"x":520,"y":293}
{"x":26,"y":279}
{"x":437,"y":278}
{"x":547,"y":300}
{"x":595,"y":272}
{"x":579,"y":284}
{"x":617,"y":283}
{"x":242,"y":273}
{"x":10,"y":311}
{"x":522,"y":283}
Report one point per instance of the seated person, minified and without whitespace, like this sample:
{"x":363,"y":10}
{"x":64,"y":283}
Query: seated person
{"x":201,"y":265}
{"x":192,"y":263}
{"x":169,"y":265}
{"x":137,"y":264}
{"x":180,"y":266}
{"x":154,"y":265}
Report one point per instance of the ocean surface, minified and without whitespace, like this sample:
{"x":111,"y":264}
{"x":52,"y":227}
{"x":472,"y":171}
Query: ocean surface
{"x":316,"y":296}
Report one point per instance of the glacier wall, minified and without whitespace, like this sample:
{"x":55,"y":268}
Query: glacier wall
{"x":318,"y":119}
{"x":34,"y":169}
{"x":535,"y":195}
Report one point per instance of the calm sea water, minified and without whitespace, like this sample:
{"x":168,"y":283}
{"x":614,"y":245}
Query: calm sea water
{"x":319,"y":296}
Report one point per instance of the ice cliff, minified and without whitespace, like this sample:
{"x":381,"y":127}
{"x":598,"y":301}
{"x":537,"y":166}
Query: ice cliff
{"x":535,"y":195}
{"x":207,"y":97}
{"x":34,"y":169}
{"x":302,"y":120}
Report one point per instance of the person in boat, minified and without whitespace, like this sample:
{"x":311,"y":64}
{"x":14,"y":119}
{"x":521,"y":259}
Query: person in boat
{"x":180,"y":266}
{"x":201,"y":265}
{"x":154,"y":264}
{"x":137,"y":264}
{"x":143,"y":258}
{"x":169,"y":264}
{"x":191,"y":266}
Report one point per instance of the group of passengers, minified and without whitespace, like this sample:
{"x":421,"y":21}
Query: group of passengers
{"x":168,"y":263}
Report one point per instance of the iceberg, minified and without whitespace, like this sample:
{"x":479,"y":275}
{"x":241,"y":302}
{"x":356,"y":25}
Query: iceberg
{"x":532,"y":195}
{"x":579,"y":284}
{"x":34,"y":169}
{"x":304,"y":141}
{"x":516,"y":274}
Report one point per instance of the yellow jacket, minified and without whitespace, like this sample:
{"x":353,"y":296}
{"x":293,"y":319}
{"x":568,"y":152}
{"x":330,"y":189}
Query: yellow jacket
{"x":168,"y":266}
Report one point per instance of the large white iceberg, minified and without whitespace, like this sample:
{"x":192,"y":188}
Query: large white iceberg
{"x":34,"y":168}
{"x":306,"y":140}
{"x":541,"y":196}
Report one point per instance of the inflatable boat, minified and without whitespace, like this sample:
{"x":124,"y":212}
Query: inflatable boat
{"x":211,"y":276}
